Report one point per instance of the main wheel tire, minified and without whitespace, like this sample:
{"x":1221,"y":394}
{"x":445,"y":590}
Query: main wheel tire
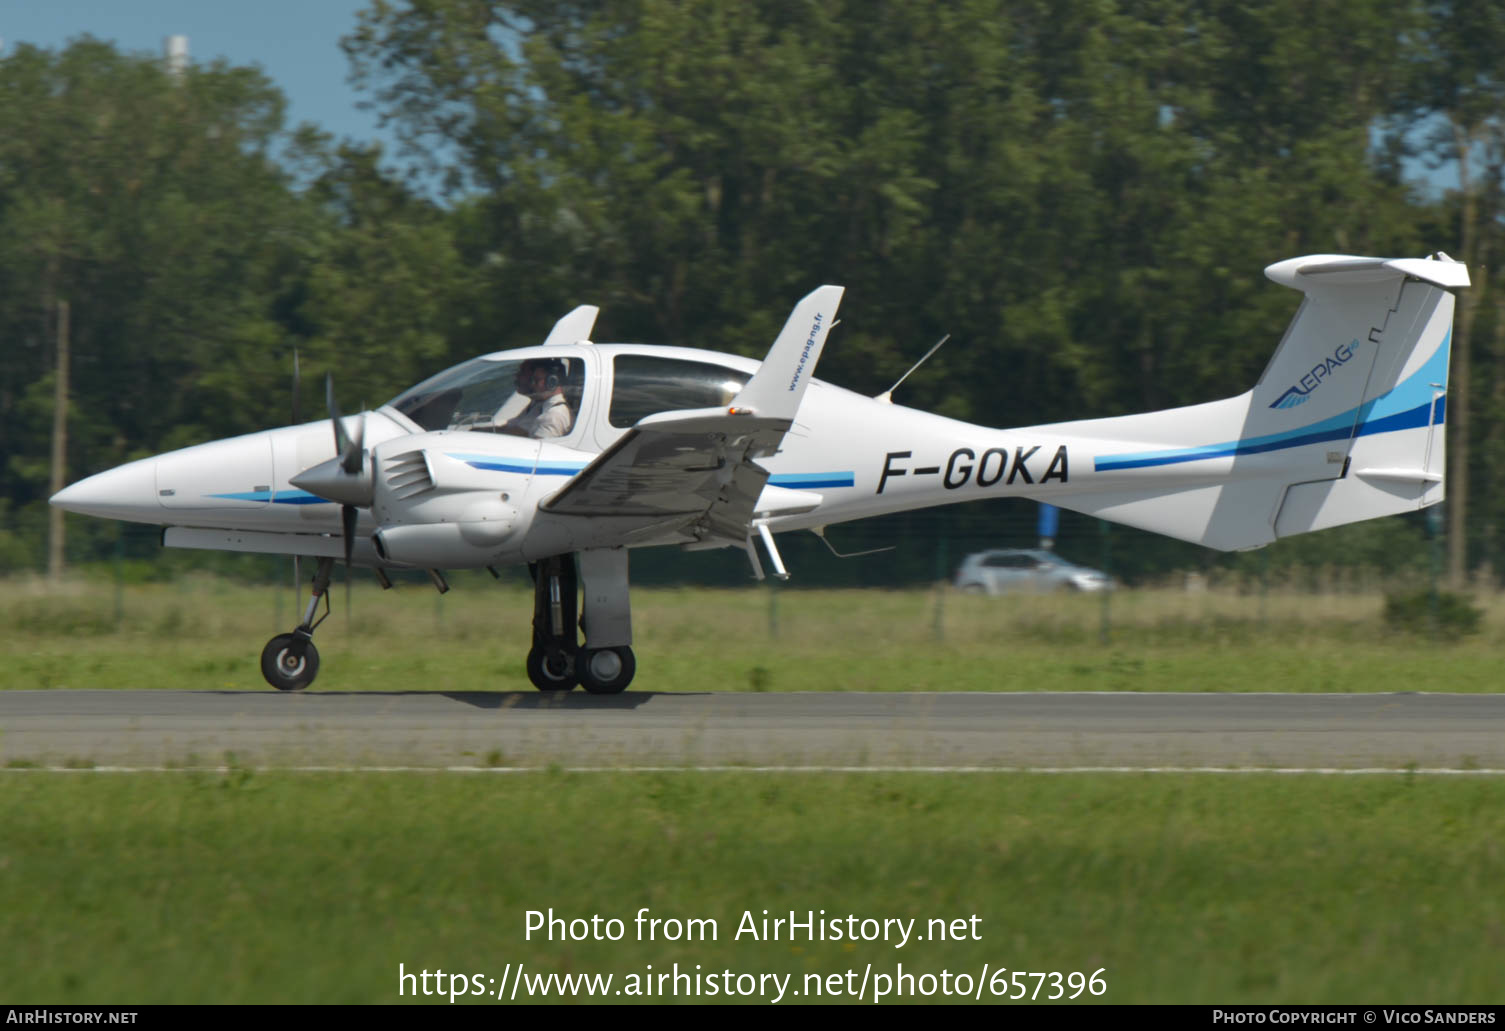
{"x":549,"y":676}
{"x":289,"y":662}
{"x":606,"y":670}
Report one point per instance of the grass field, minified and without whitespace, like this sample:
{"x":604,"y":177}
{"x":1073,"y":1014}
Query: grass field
{"x":208,"y":633}
{"x":256,"y":887}
{"x":253,"y":886}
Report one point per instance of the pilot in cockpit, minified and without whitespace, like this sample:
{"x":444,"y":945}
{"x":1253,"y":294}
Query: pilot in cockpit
{"x":548,"y":414}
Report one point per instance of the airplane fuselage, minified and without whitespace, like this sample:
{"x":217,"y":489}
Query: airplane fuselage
{"x":861,"y":456}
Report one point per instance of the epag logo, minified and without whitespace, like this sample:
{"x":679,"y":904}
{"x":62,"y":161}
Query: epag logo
{"x":1302,"y":391}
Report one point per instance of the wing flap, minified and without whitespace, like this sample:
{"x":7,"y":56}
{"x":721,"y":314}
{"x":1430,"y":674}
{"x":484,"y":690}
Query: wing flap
{"x":695,"y":465}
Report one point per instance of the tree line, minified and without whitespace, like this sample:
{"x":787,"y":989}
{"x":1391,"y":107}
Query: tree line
{"x":1082,"y":193}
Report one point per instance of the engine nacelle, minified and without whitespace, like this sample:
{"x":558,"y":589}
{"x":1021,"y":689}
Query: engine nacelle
{"x":450,"y":500}
{"x":477,"y":530}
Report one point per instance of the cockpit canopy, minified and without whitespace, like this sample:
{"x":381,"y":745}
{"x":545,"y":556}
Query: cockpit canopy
{"x":646,"y":384}
{"x":483,"y":393}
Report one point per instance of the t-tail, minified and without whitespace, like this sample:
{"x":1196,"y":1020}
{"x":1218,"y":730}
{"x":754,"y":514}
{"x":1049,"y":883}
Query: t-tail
{"x":1346,"y":423}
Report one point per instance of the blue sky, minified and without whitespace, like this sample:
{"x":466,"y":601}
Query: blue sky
{"x":296,"y":42}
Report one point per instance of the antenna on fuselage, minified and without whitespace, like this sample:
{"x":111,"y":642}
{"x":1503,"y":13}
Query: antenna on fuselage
{"x":820,"y":531}
{"x":887,"y":397}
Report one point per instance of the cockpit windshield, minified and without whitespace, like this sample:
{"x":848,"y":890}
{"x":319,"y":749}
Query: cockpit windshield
{"x":537,"y":397}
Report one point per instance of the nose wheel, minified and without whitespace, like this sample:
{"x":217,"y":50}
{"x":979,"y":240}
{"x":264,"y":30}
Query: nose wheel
{"x":290,"y":662}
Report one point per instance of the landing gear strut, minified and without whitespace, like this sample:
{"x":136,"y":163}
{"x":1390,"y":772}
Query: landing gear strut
{"x":290,"y":661}
{"x":551,"y":660}
{"x":557,"y":661}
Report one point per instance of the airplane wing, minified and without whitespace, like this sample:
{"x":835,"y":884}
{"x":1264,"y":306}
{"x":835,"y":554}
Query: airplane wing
{"x":574,"y":327}
{"x":695,"y":470}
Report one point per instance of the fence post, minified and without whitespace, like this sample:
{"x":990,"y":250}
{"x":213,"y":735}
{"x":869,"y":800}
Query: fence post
{"x":1434,"y":530}
{"x":938,"y":625}
{"x":1264,"y":583}
{"x":1103,"y":624}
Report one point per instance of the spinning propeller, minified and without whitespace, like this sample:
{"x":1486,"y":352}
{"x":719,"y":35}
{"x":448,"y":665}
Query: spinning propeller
{"x":352,"y":463}
{"x":346,"y":478}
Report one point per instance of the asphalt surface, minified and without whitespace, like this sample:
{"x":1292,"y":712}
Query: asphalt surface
{"x":421,"y":728}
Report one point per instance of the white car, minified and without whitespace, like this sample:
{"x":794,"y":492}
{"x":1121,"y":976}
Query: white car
{"x":1026,"y":569}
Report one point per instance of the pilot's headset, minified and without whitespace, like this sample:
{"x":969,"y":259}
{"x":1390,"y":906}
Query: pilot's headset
{"x":554,"y":374}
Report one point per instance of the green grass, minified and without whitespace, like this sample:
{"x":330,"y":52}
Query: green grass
{"x":207,"y":633}
{"x":253,"y":887}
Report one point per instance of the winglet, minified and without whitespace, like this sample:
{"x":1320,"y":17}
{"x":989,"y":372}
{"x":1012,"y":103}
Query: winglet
{"x":777,"y":387}
{"x":574,"y":327}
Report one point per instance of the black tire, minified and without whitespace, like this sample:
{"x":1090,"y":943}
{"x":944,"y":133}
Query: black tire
{"x":606,"y":670}
{"x":546,"y":678}
{"x":289,"y":662}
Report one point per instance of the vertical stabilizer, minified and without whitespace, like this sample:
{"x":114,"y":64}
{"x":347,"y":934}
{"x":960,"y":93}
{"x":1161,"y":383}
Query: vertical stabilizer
{"x":1345,"y":424}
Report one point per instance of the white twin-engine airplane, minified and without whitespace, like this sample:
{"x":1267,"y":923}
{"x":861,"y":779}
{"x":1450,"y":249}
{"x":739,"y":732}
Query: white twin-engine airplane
{"x":646,"y":445}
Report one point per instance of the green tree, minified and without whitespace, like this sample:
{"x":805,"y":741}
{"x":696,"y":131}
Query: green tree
{"x":152,"y":204}
{"x":380,"y":292}
{"x":1457,"y":98}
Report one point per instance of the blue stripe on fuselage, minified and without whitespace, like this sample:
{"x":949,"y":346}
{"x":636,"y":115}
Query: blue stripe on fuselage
{"x":499,"y":464}
{"x":1406,"y":406}
{"x":797,"y":480}
{"x":281,"y":497}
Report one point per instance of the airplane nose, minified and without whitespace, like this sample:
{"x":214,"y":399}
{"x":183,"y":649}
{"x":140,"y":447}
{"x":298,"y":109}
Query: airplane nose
{"x":126,"y":492}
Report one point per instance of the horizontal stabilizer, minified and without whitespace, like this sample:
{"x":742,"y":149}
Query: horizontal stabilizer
{"x":1338,"y":269}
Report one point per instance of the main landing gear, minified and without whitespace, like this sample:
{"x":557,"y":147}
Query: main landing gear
{"x":290,"y":661}
{"x":557,"y":661}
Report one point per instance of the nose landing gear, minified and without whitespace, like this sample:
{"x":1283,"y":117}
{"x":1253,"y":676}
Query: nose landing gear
{"x":290,"y":662}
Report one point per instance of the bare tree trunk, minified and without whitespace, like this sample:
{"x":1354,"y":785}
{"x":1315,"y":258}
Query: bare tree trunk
{"x":59,"y":446}
{"x":1460,"y":381}
{"x":1493,"y":441}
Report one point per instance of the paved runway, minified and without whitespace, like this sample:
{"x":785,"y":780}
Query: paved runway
{"x":153,"y":728}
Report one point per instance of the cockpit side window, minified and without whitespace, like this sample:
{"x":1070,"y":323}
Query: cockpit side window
{"x":644,"y":385}
{"x":483,"y":394}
